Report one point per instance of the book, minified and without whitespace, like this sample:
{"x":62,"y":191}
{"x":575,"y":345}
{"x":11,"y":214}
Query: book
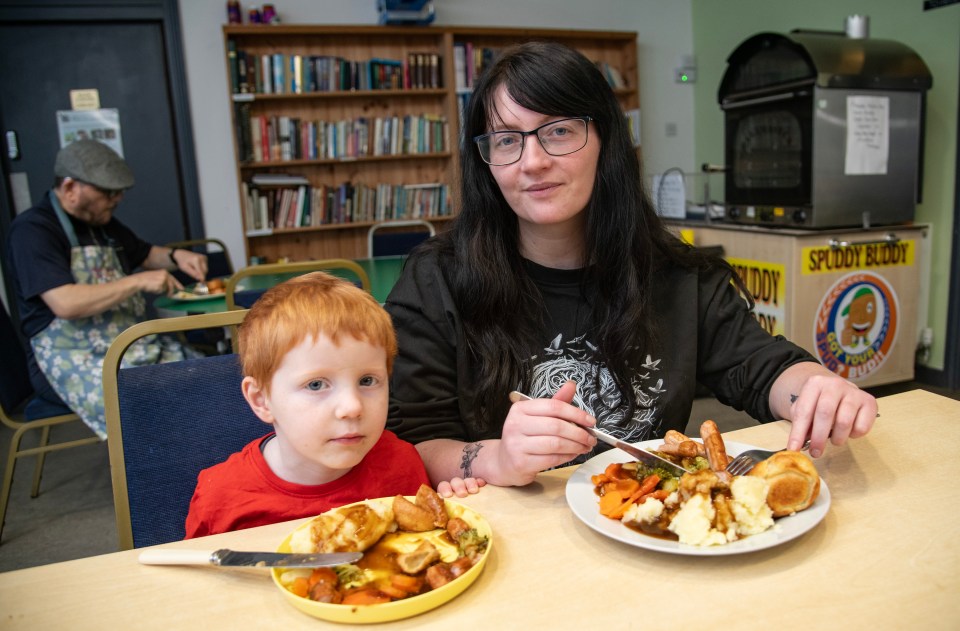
{"x":234,"y":68}
{"x":278,"y":179}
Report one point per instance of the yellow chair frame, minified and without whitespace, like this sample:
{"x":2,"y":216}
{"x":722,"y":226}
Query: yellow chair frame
{"x":292,"y":269}
{"x":111,"y":366}
{"x":21,"y":427}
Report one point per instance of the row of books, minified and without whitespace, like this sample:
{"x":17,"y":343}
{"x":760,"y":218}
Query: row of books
{"x":278,"y":73}
{"x":302,"y":206}
{"x":470,"y":61}
{"x":273,"y":138}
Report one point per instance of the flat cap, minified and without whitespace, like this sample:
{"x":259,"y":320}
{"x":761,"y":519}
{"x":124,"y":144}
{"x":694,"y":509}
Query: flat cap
{"x":95,"y":163}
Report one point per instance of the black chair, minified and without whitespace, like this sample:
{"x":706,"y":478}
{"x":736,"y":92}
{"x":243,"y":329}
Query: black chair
{"x":22,"y":412}
{"x":397,"y":238}
{"x":167,"y":422}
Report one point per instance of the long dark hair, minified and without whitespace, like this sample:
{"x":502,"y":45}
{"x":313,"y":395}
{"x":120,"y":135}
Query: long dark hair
{"x":625,"y":241}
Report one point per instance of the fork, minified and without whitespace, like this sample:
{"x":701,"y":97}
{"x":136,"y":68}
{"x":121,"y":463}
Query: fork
{"x":745,"y":461}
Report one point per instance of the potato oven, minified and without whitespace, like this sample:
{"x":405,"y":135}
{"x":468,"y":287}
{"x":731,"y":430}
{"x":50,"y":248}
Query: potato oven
{"x":823,"y":130}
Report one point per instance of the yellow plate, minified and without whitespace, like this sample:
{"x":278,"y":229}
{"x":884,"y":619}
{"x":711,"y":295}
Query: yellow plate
{"x":397,"y":609}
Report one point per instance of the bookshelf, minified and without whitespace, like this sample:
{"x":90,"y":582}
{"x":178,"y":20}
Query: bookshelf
{"x":338,"y":127}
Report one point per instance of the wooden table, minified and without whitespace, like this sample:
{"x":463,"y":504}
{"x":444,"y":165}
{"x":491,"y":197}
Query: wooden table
{"x":383,"y":272}
{"x":886,"y":556}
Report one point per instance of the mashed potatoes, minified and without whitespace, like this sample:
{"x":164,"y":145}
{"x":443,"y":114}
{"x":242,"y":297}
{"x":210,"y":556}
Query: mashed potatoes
{"x":750,"y":508}
{"x":696,"y":521}
{"x":693,"y":523}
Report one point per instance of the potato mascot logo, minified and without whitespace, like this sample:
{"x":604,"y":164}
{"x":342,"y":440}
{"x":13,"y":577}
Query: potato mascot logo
{"x":856,"y":325}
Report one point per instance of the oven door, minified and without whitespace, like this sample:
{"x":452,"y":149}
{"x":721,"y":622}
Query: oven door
{"x":769,"y":152}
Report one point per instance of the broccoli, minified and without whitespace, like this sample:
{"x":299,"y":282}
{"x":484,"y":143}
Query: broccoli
{"x":470,"y":542}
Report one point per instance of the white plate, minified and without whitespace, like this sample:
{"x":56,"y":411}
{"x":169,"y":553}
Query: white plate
{"x":585,"y":505}
{"x":188,"y":296}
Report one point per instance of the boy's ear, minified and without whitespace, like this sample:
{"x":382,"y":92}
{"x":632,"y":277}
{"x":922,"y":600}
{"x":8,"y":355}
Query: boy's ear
{"x":257,"y":399}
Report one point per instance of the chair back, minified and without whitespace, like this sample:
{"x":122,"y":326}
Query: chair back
{"x":397,"y":238}
{"x":166,"y":423}
{"x":219,"y":263}
{"x":257,"y":279}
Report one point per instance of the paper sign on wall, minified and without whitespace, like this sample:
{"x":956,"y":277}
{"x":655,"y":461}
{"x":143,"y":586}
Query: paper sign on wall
{"x":102,"y":125}
{"x":868,"y":135}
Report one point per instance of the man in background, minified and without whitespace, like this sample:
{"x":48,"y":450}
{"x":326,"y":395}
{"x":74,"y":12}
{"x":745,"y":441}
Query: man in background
{"x":76,"y":278}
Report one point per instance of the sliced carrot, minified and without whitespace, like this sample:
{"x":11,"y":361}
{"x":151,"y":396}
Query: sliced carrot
{"x":365,"y":596}
{"x":648,"y":485}
{"x":614,"y":471}
{"x":628,"y":486}
{"x":609,"y":503}
{"x":409,"y":584}
{"x":600,"y":478}
{"x":394,"y":592}
{"x":657,"y":495}
{"x":325,"y":574}
{"x":300,"y":587}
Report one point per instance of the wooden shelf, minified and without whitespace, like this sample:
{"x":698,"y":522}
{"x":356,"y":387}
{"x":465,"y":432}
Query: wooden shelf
{"x":609,"y":49}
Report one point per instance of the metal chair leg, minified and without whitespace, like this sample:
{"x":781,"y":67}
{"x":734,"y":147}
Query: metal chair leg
{"x":8,"y":477}
{"x":38,"y":472}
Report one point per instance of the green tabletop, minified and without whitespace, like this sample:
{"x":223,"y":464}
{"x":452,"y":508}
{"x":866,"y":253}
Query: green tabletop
{"x":383,"y":272}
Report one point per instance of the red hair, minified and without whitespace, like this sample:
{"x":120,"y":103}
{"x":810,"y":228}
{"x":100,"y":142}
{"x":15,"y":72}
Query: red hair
{"x":310,"y":305}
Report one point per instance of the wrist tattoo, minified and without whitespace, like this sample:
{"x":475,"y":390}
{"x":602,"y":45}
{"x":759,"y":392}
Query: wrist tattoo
{"x":793,"y":398}
{"x":470,"y":452}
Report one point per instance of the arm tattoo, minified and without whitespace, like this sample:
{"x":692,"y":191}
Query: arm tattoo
{"x":470,"y":451}
{"x":793,"y":398}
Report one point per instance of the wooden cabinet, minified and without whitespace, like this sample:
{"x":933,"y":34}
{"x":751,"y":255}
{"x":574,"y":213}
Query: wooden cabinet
{"x":337,"y":127}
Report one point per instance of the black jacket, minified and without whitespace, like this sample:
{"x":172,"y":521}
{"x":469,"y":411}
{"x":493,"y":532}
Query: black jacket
{"x":707,"y":335}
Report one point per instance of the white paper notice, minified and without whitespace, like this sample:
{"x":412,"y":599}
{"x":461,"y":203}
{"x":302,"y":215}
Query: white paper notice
{"x":868,"y":135}
{"x":669,"y":195}
{"x":102,"y":125}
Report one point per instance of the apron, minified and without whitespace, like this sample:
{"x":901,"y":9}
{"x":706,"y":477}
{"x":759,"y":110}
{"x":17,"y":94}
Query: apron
{"x":70,"y":352}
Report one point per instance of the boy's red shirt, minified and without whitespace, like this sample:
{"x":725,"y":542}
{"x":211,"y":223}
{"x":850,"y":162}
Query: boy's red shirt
{"x":242,"y":492}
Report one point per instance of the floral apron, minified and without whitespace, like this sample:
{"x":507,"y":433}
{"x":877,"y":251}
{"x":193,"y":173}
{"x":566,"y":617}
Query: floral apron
{"x":70,"y":352}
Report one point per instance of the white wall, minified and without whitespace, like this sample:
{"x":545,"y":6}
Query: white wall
{"x":663,"y":35}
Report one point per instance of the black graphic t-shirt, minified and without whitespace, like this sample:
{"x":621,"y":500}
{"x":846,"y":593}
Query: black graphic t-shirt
{"x":707,"y":335}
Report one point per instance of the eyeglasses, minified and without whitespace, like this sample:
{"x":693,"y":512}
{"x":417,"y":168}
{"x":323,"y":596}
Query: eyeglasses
{"x":558,"y":138}
{"x":110,"y":194}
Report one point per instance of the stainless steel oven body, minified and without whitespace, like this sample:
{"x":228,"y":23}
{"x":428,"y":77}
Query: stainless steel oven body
{"x":823,"y":131}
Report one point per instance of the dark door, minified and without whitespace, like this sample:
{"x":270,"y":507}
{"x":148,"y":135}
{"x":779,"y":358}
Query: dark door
{"x":40,"y":64}
{"x":127,"y":57}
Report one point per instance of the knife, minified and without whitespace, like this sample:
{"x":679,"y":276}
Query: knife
{"x":642,"y":455}
{"x":233,"y":558}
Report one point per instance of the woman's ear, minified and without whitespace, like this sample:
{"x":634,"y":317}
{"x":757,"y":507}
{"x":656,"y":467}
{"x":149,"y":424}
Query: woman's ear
{"x":258,"y":399}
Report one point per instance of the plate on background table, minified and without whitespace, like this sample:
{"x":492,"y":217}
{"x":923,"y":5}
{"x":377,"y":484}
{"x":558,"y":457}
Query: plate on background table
{"x":584,"y":503}
{"x":186,"y":295}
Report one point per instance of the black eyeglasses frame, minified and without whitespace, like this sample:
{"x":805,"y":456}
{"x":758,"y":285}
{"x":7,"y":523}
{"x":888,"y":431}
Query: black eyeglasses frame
{"x":533,"y":132}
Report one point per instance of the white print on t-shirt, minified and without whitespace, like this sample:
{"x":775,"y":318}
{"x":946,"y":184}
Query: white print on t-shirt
{"x":577,"y":360}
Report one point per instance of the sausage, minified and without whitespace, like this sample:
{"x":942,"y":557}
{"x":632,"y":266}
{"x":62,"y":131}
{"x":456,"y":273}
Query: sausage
{"x":674,"y":437}
{"x":713,"y":444}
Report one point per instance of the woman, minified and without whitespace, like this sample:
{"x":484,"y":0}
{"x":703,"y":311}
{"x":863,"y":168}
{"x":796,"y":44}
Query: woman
{"x":558,"y":279}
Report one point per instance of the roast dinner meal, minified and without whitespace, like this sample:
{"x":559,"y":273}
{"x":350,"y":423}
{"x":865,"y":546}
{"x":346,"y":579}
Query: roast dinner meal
{"x":707,"y":506}
{"x":411,"y":546}
{"x":215,"y":286}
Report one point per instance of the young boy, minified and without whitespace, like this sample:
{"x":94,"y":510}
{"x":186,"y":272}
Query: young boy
{"x":316,"y":353}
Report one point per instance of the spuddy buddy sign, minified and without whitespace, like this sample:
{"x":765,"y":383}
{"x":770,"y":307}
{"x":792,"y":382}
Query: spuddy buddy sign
{"x":855,"y":326}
